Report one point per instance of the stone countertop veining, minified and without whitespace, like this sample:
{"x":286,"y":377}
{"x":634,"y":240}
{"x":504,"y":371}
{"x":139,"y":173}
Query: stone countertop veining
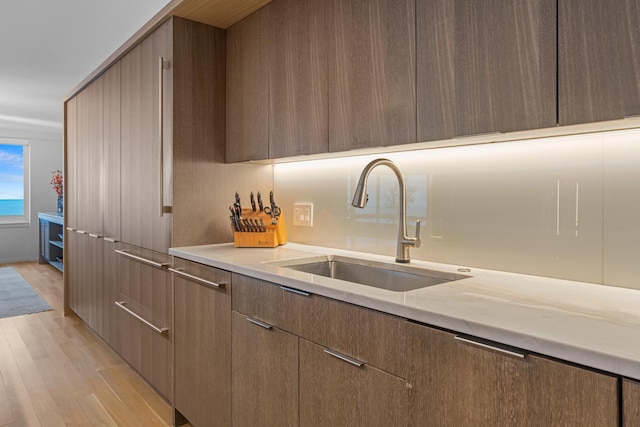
{"x":588,"y":324}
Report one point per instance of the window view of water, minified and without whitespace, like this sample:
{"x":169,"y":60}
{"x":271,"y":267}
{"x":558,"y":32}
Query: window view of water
{"x":11,"y":207}
{"x":12,"y":178}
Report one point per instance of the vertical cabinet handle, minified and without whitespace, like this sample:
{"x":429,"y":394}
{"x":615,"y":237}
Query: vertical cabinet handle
{"x":162,"y":65}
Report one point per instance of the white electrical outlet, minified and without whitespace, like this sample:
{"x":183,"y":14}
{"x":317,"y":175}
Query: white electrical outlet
{"x":303,"y":214}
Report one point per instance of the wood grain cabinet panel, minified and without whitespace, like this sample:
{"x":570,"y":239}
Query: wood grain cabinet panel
{"x":298,"y":122}
{"x":341,"y":326}
{"x":599,"y":60}
{"x":110,"y":159}
{"x":247,"y":129}
{"x":265,"y":375}
{"x":202,"y":324}
{"x":142,"y":195}
{"x":334,"y":392}
{"x":631,"y":403}
{"x":71,"y":163}
{"x":148,"y":293}
{"x":89,"y":154}
{"x":456,"y":383}
{"x":372,"y":71}
{"x":485,"y":66}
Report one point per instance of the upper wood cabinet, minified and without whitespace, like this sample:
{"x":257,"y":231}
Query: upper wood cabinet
{"x":372,"y":73}
{"x":298,"y":122}
{"x":462,"y":384}
{"x":485,"y":66}
{"x":71,"y":163}
{"x":144,"y":82}
{"x":248,"y":88}
{"x":110,"y":159}
{"x":599,"y":60}
{"x":89,"y":155}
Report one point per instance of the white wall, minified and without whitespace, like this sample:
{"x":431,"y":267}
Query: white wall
{"x":565,"y":207}
{"x":20,"y":243}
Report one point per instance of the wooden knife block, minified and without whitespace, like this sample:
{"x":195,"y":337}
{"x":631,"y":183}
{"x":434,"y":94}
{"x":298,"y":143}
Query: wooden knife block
{"x":274,"y":235}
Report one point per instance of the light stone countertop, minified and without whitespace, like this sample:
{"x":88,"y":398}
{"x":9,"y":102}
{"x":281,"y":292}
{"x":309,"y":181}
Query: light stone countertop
{"x":592,"y":325}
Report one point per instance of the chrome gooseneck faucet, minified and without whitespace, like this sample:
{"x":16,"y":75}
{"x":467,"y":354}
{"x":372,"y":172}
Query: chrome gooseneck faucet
{"x":360,"y":199}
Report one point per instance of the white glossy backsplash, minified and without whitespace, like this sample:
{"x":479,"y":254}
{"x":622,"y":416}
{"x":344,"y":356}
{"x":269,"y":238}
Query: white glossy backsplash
{"x":564,"y":207}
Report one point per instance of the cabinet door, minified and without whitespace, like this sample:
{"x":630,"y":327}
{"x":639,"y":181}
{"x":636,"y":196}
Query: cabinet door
{"x":145,"y":223}
{"x":599,"y":60}
{"x":371,"y":63}
{"x":202,"y":325}
{"x":265,"y":374}
{"x":89,"y":156}
{"x":334,"y":392}
{"x":457,"y":383}
{"x":110,"y":292}
{"x":248,"y":88}
{"x":73,"y":248}
{"x":485,"y":66}
{"x":71,"y":164}
{"x":111,"y":152}
{"x":631,"y":403}
{"x":298,"y":122}
{"x":144,"y":323}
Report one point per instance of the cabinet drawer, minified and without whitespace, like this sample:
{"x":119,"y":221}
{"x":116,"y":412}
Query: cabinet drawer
{"x":372,"y":337}
{"x":336,"y":393}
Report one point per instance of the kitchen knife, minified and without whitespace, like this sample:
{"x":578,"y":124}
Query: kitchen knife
{"x":260,"y":205}
{"x":253,"y":202}
{"x":237,"y":209}
{"x":238,"y":201}
{"x":262,"y":226}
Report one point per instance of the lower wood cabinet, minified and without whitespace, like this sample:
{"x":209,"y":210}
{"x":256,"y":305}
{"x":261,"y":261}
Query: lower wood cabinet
{"x":631,"y":403}
{"x":456,"y":383}
{"x":336,"y":390}
{"x":144,"y":315}
{"x":302,"y":359}
{"x":202,"y":325}
{"x":265,"y":374}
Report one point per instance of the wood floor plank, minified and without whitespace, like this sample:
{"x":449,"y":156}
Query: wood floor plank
{"x":54,"y":371}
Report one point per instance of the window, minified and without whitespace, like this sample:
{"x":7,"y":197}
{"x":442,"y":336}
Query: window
{"x":14,"y":181}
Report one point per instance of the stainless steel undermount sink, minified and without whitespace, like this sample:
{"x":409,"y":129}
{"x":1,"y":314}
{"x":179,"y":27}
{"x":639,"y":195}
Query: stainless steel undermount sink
{"x":389,"y":276}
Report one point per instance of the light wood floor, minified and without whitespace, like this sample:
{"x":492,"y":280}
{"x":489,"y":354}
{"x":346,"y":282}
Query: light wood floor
{"x":54,"y":371}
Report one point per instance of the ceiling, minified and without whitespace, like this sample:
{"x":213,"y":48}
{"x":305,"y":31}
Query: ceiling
{"x":48,"y":47}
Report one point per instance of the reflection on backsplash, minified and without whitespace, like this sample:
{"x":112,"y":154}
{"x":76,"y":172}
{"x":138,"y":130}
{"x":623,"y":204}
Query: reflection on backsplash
{"x":562,"y":207}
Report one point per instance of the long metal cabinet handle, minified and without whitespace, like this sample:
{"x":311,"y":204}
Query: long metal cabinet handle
{"x":110,"y":239}
{"x":343,"y":357}
{"x":95,"y":236}
{"x":295,"y":291}
{"x":514,"y":353}
{"x":179,"y":272}
{"x":141,"y":259}
{"x":144,"y":321}
{"x":259,"y":323}
{"x":161,"y":67}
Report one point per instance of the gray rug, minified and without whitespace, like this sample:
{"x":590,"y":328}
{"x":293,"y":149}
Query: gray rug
{"x":17,"y":297}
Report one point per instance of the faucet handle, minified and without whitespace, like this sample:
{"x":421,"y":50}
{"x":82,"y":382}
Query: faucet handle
{"x":417,"y":243}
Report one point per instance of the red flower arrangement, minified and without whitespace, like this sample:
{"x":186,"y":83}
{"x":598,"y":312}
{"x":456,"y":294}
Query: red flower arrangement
{"x":56,"y":182}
